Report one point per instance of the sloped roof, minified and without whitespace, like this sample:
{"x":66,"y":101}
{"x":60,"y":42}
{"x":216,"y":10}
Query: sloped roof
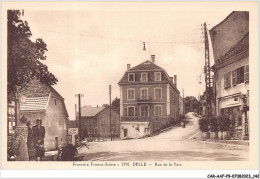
{"x":243,"y":44}
{"x":55,"y":93}
{"x":88,"y":111}
{"x":147,"y":65}
{"x":35,"y":103}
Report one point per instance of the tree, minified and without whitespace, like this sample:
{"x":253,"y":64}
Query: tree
{"x":116,"y":103}
{"x":191,"y":103}
{"x":24,"y":56}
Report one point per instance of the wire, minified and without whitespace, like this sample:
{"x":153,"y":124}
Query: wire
{"x":123,"y":39}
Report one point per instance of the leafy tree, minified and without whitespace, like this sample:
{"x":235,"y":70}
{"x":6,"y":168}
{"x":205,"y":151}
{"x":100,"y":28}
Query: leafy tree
{"x":116,"y":103}
{"x":24,"y":56}
{"x":191,"y":103}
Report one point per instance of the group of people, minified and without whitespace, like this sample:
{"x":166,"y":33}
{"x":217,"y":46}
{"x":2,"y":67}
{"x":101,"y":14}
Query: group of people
{"x":28,"y":142}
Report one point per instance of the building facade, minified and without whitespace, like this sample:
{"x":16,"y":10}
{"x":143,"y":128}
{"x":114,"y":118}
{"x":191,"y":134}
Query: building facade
{"x":95,"y":122}
{"x":230,"y":41}
{"x":149,"y":100}
{"x":45,"y":103}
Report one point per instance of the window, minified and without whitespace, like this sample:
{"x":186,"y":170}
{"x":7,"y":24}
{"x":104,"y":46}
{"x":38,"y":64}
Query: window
{"x":144,"y":93}
{"x":158,"y":110}
{"x":131,"y":93}
{"x":246,"y":73}
{"x":131,"y":77}
{"x":55,"y":102}
{"x":131,"y":111}
{"x":157,"y":93}
{"x":157,"y":76}
{"x":144,"y":77}
{"x":144,"y":111}
{"x":227,"y":80}
{"x":240,"y":75}
{"x":234,"y":77}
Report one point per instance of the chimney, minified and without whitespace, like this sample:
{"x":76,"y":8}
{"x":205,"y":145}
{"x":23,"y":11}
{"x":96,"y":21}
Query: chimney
{"x":128,"y":66}
{"x":153,"y":58}
{"x":175,"y":80}
{"x":171,"y":78}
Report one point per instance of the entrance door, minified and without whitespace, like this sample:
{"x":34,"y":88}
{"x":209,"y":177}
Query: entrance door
{"x":125,"y":132}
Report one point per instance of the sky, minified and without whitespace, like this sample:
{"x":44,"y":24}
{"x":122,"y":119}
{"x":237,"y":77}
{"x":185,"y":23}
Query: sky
{"x":89,"y":49}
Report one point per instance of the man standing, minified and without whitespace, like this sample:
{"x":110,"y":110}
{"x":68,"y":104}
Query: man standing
{"x":39,"y":134}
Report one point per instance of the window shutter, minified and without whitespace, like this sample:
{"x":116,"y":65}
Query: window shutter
{"x":234,"y":77}
{"x":246,"y":73}
{"x":136,"y":111}
{"x":229,"y":79}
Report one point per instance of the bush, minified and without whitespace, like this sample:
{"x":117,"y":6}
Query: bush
{"x":223,"y":123}
{"x":213,"y":124}
{"x":226,"y":124}
{"x":204,"y":124}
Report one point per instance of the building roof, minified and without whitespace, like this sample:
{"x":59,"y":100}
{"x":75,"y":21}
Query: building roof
{"x":147,"y":65}
{"x":150,"y":68}
{"x":228,"y":33}
{"x":35,"y":103}
{"x":88,"y":111}
{"x":36,"y":92}
{"x":55,"y":93}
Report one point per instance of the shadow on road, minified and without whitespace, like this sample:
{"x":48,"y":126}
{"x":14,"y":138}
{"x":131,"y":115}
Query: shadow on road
{"x":163,"y":156}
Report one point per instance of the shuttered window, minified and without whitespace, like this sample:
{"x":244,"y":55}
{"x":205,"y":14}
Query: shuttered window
{"x":240,"y":75}
{"x":158,"y":93}
{"x":227,"y":80}
{"x":234,"y":77}
{"x":246,"y":73}
{"x":131,"y":111}
{"x":130,"y":93}
{"x":144,"y":93}
{"x":144,"y":111}
{"x":158,"y":110}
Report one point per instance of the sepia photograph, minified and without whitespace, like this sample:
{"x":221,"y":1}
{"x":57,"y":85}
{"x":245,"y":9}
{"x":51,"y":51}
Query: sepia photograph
{"x":129,"y":84}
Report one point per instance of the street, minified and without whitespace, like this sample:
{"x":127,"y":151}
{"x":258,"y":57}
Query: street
{"x":176,"y":144}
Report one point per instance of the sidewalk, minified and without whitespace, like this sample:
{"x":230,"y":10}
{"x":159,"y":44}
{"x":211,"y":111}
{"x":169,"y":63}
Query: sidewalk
{"x":232,"y":144}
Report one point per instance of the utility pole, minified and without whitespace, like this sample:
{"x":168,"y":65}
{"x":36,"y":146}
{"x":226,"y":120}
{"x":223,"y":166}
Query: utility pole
{"x":79,"y":124}
{"x":208,"y":78}
{"x":110,"y":110}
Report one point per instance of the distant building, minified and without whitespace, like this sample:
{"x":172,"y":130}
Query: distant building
{"x":230,"y":41}
{"x":149,"y":100}
{"x":45,"y":103}
{"x":95,"y":122}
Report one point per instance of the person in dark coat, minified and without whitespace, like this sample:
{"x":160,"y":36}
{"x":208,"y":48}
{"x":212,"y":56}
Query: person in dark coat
{"x":31,"y":150}
{"x":38,"y":136}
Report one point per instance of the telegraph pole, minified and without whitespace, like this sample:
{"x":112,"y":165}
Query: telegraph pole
{"x":110,"y":110}
{"x":208,"y":78}
{"x":79,"y":104}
